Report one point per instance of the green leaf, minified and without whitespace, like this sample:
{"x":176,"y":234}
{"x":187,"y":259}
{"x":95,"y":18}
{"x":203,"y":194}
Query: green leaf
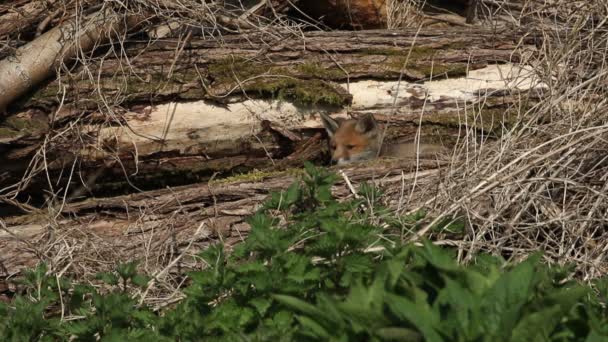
{"x":537,"y":326}
{"x":364,"y":306}
{"x":460,"y":305}
{"x":313,"y":329}
{"x":355,"y":266}
{"x":502,"y":304}
{"x":595,"y":336}
{"x":140,"y":280}
{"x":311,"y":169}
{"x":246,"y":316}
{"x":292,"y":195}
{"x":479,"y":283}
{"x":323,"y":193}
{"x":419,"y":314}
{"x":283,"y":319}
{"x":250,"y":267}
{"x":439,"y":257}
{"x":399,"y":334}
{"x":127,"y":270}
{"x":300,"y":270}
{"x":567,"y":297}
{"x":108,"y":278}
{"x":261,"y":304}
{"x":300,"y":305}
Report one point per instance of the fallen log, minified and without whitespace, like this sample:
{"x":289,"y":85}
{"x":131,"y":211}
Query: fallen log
{"x":37,"y":60}
{"x":150,"y":126}
{"x":158,"y":225}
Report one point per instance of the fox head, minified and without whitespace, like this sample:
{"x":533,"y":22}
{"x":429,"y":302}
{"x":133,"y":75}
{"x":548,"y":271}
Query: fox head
{"x":352,"y":140}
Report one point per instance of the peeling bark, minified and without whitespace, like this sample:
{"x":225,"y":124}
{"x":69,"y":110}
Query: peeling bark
{"x":264,"y":65}
{"x":203,"y":116}
{"x":37,"y":60}
{"x":222,"y":108}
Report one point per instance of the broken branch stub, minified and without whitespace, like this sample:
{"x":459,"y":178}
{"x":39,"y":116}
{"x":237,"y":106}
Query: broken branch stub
{"x":36,"y":61}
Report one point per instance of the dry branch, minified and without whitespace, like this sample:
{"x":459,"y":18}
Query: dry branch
{"x":37,"y":60}
{"x":122,"y":123}
{"x":156,"y":222}
{"x":541,"y":186}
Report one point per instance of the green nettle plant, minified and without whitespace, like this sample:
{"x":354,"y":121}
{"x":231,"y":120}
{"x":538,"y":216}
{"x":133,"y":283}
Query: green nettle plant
{"x":306,"y":272}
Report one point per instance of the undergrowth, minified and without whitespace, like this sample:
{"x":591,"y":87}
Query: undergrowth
{"x":314,"y":268}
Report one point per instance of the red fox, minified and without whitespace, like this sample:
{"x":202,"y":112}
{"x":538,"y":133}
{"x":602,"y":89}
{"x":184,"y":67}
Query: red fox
{"x":355,"y":140}
{"x":361,"y":14}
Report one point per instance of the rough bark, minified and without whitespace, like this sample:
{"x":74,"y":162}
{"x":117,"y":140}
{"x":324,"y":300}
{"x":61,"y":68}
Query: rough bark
{"x":163,"y":223}
{"x":37,"y":60}
{"x":182,"y":112}
{"x":179,"y":109}
{"x":23,"y":14}
{"x":252,"y":61}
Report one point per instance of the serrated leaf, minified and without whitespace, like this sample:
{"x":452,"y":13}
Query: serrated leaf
{"x":310,"y":169}
{"x":567,"y":297}
{"x":127,"y":270}
{"x":140,"y":280}
{"x":438,"y":257}
{"x":251,"y":267}
{"x":246,"y":316}
{"x":461,"y":305}
{"x":323,"y":193}
{"x":418,"y":314}
{"x":283,"y":319}
{"x":479,"y":283}
{"x":260,"y":221}
{"x":107,"y":277}
{"x":292,"y":195}
{"x":364,"y":306}
{"x":261,"y":304}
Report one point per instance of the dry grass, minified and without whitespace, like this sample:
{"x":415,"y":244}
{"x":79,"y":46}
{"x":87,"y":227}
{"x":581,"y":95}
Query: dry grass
{"x":82,"y":247}
{"x":404,"y":13}
{"x":541,"y":186}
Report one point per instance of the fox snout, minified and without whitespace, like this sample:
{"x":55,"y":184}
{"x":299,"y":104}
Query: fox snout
{"x":350,"y":153}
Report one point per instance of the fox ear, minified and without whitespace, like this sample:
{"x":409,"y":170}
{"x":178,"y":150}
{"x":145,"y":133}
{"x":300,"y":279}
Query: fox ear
{"x":366,"y":124}
{"x":330,"y":124}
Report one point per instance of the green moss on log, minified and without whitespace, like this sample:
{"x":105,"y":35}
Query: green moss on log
{"x":306,"y":83}
{"x":15,"y":126}
{"x":268,"y":81}
{"x":317,"y":70}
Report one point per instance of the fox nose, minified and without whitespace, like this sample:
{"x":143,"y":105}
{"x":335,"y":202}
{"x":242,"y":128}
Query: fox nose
{"x":339,"y":160}
{"x":343,"y":161}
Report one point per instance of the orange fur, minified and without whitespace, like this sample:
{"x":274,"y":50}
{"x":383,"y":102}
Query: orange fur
{"x":355,"y":140}
{"x":360,"y":14}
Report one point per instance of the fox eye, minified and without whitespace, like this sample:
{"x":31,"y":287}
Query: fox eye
{"x":350,"y":147}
